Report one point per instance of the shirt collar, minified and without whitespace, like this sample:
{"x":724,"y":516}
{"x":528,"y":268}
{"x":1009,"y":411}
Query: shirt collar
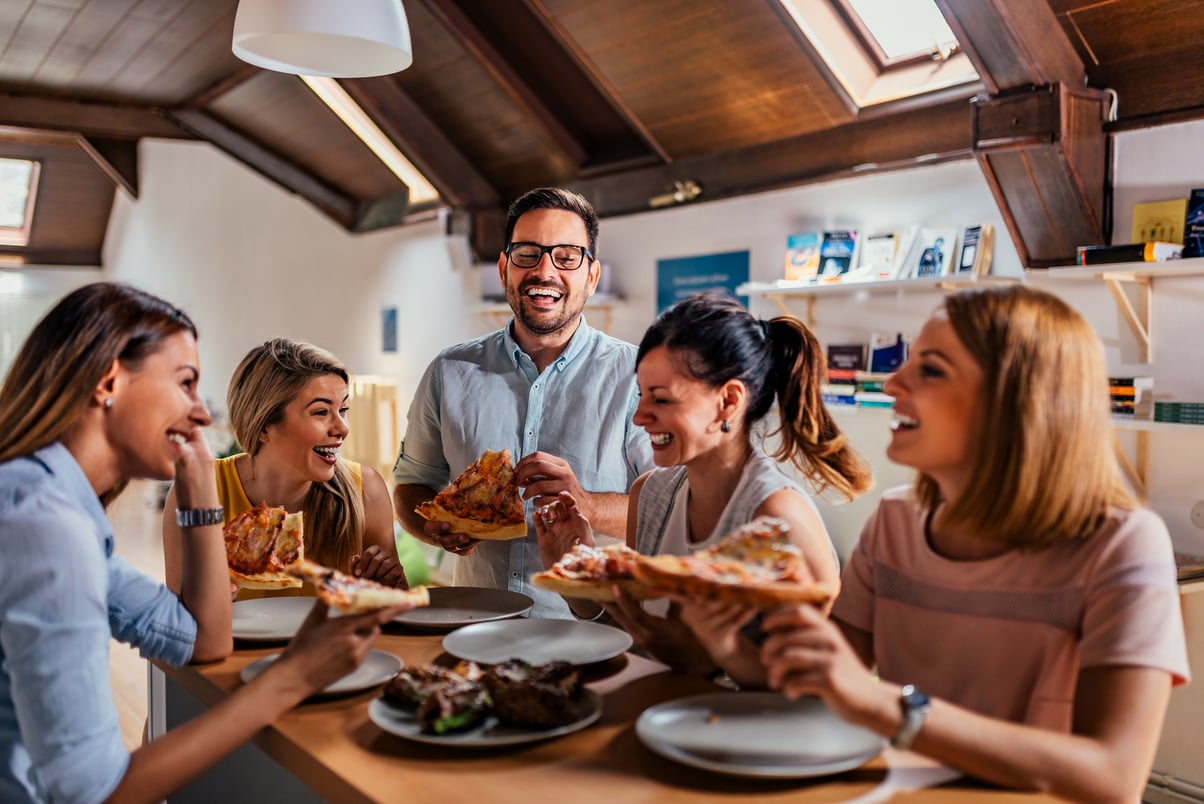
{"x":576,"y":344}
{"x":71,"y":480}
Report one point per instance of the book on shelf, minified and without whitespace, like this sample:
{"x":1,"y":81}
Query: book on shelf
{"x":932,"y":253}
{"x":1160,"y":221}
{"x":874,"y":399}
{"x":848,"y":357}
{"x":887,"y":357}
{"x":1180,"y":412}
{"x":836,"y":253}
{"x":1131,"y":397}
{"x":978,"y":246}
{"x":879,"y":253}
{"x":1155,"y":251}
{"x":1193,"y":225}
{"x":1189,"y":567}
{"x":802,"y":257}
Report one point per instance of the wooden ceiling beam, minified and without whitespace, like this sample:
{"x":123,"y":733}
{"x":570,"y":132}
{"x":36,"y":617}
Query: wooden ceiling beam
{"x":48,"y":256}
{"x":90,"y":118}
{"x":914,"y":136}
{"x":118,"y":159}
{"x":408,"y":126}
{"x":1014,"y":43}
{"x":480,"y":45}
{"x":338,"y":206}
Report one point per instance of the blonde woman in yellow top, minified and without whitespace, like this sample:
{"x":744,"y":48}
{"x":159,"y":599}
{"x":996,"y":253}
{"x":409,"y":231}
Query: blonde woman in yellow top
{"x":288,"y":407}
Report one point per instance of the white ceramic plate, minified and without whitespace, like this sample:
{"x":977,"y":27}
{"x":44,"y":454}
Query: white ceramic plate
{"x":270,"y":619}
{"x":756,"y":734}
{"x":490,"y":734}
{"x":456,"y":606}
{"x":537,"y":641}
{"x":377,"y":668}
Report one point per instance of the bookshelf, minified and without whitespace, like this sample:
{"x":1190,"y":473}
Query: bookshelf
{"x":1141,"y":274}
{"x":778,"y":292}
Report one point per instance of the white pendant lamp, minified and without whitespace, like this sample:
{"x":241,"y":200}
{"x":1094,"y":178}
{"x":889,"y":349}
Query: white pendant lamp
{"x":335,"y":38}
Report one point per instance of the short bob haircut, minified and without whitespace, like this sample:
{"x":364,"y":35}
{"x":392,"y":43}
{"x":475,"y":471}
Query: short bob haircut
{"x":1044,"y":468}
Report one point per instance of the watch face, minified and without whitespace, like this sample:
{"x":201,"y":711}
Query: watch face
{"x":913,"y":697}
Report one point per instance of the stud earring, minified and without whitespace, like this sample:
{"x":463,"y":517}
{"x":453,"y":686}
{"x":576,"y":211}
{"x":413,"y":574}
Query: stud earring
{"x":108,"y":402}
{"x":726,"y":426}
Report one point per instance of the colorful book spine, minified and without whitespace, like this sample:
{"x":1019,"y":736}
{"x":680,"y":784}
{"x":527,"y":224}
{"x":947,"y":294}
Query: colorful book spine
{"x":1128,"y":252}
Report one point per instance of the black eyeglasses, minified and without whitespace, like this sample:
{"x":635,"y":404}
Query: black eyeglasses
{"x":564,"y":256}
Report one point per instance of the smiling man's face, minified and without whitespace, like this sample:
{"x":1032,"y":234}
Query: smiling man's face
{"x":546,"y":300}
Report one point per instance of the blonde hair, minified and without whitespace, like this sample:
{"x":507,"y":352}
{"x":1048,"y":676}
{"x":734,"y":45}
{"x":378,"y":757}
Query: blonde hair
{"x":1044,"y":469}
{"x":265,"y":382}
{"x":69,"y":352}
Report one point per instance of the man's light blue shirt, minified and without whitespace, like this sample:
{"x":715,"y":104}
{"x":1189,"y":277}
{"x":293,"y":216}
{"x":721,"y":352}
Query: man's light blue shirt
{"x":63,"y":595}
{"x":487,"y":394}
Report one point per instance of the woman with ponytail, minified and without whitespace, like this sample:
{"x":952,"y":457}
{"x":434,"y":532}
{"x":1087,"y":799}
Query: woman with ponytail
{"x":708,"y":374}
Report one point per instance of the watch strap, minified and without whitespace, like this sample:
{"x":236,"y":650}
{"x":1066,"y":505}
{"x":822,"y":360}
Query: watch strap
{"x":914,"y":704}
{"x":199,"y":517}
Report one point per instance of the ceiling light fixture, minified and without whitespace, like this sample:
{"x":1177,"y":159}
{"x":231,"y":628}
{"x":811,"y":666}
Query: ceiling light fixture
{"x":343,"y":105}
{"x":319,"y":37}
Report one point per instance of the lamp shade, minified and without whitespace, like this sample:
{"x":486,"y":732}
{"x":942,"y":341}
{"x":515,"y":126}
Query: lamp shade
{"x":344,"y":39}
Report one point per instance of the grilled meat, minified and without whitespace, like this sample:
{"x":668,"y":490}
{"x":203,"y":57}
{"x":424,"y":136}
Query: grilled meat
{"x":536,"y":696}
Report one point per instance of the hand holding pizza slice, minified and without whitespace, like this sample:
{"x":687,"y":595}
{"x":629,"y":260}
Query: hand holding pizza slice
{"x":346,"y":594}
{"x":483,"y":502}
{"x":754,"y":566}
{"x":591,"y":573}
{"x":260,"y":544}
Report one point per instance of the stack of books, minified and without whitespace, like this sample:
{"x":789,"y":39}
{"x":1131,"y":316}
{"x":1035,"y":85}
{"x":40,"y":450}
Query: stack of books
{"x":1179,"y":412}
{"x":841,"y":388}
{"x":1131,"y":397}
{"x":1189,"y":568}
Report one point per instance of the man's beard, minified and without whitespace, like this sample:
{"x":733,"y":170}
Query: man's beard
{"x":541,"y":322}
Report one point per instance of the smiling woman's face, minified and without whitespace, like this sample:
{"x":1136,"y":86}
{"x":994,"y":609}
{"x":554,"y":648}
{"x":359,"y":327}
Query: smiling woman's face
{"x":313,"y":429}
{"x":937,"y":407}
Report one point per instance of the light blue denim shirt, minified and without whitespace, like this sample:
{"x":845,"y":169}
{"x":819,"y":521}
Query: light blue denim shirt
{"x":486,"y":394}
{"x":63,"y":594}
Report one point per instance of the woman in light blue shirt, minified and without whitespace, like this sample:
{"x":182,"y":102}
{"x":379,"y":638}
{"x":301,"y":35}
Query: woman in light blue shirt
{"x":105,"y":390}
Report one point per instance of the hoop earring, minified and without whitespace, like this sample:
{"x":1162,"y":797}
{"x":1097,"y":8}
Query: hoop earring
{"x":726,"y":426}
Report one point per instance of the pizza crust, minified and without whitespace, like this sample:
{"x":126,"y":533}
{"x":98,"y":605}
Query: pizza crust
{"x":264,"y":580}
{"x":433,"y":512}
{"x":673,"y":574}
{"x":600,"y":591}
{"x":367,"y":600}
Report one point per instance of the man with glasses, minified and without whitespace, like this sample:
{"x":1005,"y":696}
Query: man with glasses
{"x":547,"y":386}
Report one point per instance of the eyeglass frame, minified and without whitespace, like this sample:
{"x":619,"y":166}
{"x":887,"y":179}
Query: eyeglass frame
{"x":585,"y":252}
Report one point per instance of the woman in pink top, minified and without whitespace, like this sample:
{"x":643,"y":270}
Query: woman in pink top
{"x":1021,"y":609}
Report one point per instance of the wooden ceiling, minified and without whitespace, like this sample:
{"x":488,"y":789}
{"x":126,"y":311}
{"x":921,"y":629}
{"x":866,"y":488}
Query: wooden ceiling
{"x":616,"y":98}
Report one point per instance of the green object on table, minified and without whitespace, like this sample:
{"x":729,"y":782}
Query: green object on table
{"x":412,"y":558}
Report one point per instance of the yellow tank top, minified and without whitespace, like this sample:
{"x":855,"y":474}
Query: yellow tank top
{"x":234,"y":499}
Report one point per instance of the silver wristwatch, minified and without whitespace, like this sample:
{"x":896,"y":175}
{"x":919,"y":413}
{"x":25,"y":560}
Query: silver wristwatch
{"x":199,"y":517}
{"x":915,"y":708}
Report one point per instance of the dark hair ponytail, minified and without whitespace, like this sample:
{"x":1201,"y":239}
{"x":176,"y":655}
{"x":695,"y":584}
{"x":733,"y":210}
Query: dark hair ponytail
{"x":718,"y":340}
{"x":810,"y":437}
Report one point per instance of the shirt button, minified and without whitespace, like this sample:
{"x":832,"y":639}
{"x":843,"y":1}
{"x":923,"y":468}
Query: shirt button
{"x":535,"y":386}
{"x":514,"y":575}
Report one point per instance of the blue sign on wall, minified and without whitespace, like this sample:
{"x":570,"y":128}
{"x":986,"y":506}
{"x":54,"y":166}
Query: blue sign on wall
{"x":682,"y":276}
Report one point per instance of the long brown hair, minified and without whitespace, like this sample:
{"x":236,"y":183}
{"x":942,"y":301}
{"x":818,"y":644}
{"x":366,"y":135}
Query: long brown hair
{"x":265,"y":382}
{"x":68,"y":353}
{"x":1045,"y":470}
{"x":718,"y":340}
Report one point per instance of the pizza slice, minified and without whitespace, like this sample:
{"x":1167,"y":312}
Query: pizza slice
{"x":755,"y":565}
{"x":260,"y":543}
{"x":346,"y":594}
{"x":482,"y":502}
{"x":590,"y":573}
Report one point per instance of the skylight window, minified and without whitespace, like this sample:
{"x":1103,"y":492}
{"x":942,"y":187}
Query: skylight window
{"x":904,"y":29}
{"x":883,"y":50}
{"x":18,"y":187}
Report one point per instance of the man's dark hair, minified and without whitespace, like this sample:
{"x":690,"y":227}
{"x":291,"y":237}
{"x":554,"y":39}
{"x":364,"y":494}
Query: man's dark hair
{"x":555,"y":198}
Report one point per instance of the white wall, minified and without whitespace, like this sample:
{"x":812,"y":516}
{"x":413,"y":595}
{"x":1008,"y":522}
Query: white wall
{"x":249,"y":262}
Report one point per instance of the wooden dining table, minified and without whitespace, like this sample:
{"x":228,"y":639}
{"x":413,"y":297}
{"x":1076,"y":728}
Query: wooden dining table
{"x":332,"y":747}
